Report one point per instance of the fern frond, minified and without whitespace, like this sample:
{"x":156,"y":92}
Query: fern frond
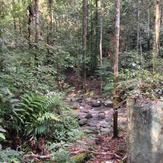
{"x":49,"y":116}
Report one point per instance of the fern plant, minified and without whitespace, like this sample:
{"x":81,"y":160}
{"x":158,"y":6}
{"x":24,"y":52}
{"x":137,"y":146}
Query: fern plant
{"x":38,"y":114}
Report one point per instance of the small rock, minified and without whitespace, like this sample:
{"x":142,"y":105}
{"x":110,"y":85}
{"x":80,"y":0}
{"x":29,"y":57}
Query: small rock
{"x":104,"y":124}
{"x":84,"y":111}
{"x":105,"y":130}
{"x":83,"y":121}
{"x":108,"y":120}
{"x":96,"y":103}
{"x":108,"y":103}
{"x":91,"y":124}
{"x":81,"y":115}
{"x":88,"y":116}
{"x":95,"y":116}
{"x":101,"y":115}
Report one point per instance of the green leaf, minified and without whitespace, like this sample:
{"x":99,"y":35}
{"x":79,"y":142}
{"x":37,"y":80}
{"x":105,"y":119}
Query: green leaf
{"x":2,"y":136}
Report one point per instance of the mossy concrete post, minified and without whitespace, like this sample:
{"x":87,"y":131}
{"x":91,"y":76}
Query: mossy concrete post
{"x":145,"y":131}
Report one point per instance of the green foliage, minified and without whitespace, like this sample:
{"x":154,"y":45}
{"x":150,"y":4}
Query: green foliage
{"x":61,"y":156}
{"x":35,"y":116}
{"x":136,"y":77}
{"x":2,"y":135}
{"x":10,"y":156}
{"x":39,"y":114}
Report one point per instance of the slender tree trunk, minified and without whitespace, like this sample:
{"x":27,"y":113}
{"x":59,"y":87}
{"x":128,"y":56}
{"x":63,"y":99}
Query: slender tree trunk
{"x":91,"y":33}
{"x":115,"y":93}
{"x":157,"y":27}
{"x":156,"y":32}
{"x":148,"y":24}
{"x":85,"y":3}
{"x":49,"y":28}
{"x":36,"y":21}
{"x":30,"y":14}
{"x":138,"y":26}
{"x":96,"y":45}
{"x":37,"y":34}
{"x":101,"y":39}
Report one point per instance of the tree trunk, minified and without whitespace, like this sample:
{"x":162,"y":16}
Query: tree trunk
{"x":101,"y":40}
{"x":115,"y":93}
{"x":138,"y":26}
{"x":36,"y":28}
{"x":96,"y":45}
{"x":36,"y":21}
{"x":157,"y":27}
{"x":156,"y":33}
{"x":85,"y":3}
{"x":148,"y":24}
{"x":30,"y":17}
{"x":49,"y":28}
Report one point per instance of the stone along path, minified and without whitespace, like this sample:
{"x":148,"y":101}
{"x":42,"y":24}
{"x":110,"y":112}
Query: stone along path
{"x":97,"y":114}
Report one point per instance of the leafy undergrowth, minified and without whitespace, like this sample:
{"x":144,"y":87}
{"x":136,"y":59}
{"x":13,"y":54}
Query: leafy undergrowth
{"x":102,"y":148}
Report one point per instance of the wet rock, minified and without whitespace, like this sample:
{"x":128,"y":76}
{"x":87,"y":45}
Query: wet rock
{"x":84,"y":111}
{"x":92,"y":123}
{"x":81,"y":115}
{"x":96,"y":103}
{"x":107,"y":119}
{"x":104,"y":124}
{"x":88,"y":116}
{"x":105,"y":130}
{"x":83,"y":121}
{"x":101,"y":115}
{"x":108,"y":103}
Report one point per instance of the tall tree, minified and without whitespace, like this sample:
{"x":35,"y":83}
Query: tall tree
{"x":49,"y":27}
{"x":37,"y":34}
{"x":101,"y":39}
{"x":138,"y":25}
{"x":96,"y":35}
{"x":36,"y":21}
{"x":84,"y":23}
{"x":30,"y":15}
{"x":156,"y":33}
{"x":148,"y":24}
{"x":115,"y":93}
{"x":157,"y":28}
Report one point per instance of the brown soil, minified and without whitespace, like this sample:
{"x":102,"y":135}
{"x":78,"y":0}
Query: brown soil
{"x":102,"y":148}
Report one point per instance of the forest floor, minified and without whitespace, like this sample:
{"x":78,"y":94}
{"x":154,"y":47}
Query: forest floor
{"x":103,"y":148}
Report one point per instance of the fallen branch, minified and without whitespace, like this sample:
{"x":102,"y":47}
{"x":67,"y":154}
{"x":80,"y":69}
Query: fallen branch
{"x":80,"y":151}
{"x":34,"y":156}
{"x":102,"y":153}
{"x":124,"y":158}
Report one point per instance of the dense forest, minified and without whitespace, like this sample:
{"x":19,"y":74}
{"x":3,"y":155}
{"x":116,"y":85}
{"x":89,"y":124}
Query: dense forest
{"x":50,"y":49}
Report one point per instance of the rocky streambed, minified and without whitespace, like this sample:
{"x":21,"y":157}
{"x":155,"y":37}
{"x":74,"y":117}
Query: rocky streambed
{"x":97,"y":114}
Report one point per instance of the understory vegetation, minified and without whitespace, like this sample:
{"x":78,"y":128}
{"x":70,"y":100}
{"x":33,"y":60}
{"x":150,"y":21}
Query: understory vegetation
{"x":38,"y":53}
